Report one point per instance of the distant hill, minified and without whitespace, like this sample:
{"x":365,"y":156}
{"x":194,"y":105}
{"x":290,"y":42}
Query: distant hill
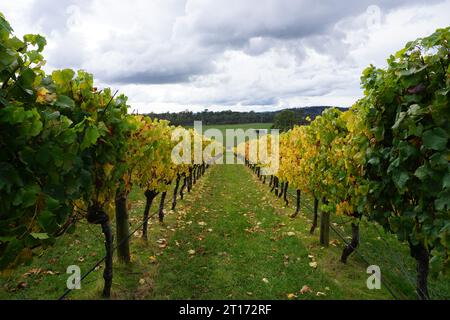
{"x":187,"y":118}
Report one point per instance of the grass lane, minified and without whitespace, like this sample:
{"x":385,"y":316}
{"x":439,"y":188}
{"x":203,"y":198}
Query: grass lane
{"x":235,"y":243}
{"x":228,"y":239}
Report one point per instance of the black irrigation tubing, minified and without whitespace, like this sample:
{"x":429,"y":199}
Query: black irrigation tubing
{"x":355,"y":250}
{"x":403,"y":271}
{"x":405,"y":274}
{"x":67,"y":292}
{"x":359,"y":253}
{"x":309,"y":207}
{"x":104,"y":257}
{"x":400,"y":262}
{"x":402,"y":265}
{"x":365,"y":261}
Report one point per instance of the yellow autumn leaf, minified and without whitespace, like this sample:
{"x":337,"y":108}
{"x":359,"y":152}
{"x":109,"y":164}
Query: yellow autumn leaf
{"x":107,"y":168}
{"x":41,"y":95}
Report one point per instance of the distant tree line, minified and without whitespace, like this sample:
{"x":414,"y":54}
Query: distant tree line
{"x":287,"y":119}
{"x":282,"y":119}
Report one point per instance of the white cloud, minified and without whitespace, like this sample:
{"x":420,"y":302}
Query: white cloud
{"x":225,"y":54}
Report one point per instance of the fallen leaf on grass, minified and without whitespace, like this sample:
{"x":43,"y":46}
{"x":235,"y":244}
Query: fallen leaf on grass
{"x":334,"y":242}
{"x":152,"y":259}
{"x":305,"y":289}
{"x":38,"y":271}
{"x":32,"y":272}
{"x":50,"y":272}
{"x":320,"y":294}
{"x":291,"y":296}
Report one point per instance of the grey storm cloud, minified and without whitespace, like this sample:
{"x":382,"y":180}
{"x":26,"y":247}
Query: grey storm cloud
{"x":152,"y":77}
{"x":222,"y":52}
{"x":253,"y":26}
{"x":270,"y":101}
{"x":236,"y":22}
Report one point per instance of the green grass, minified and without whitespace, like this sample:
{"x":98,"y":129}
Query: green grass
{"x":376,"y":248}
{"x":84,"y":248}
{"x":250,"y":240}
{"x":244,"y":245}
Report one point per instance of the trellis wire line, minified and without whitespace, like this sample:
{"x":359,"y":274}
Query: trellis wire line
{"x":67,"y":292}
{"x":309,"y":207}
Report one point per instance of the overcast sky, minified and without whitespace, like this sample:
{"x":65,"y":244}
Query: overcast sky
{"x":172,"y":55}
